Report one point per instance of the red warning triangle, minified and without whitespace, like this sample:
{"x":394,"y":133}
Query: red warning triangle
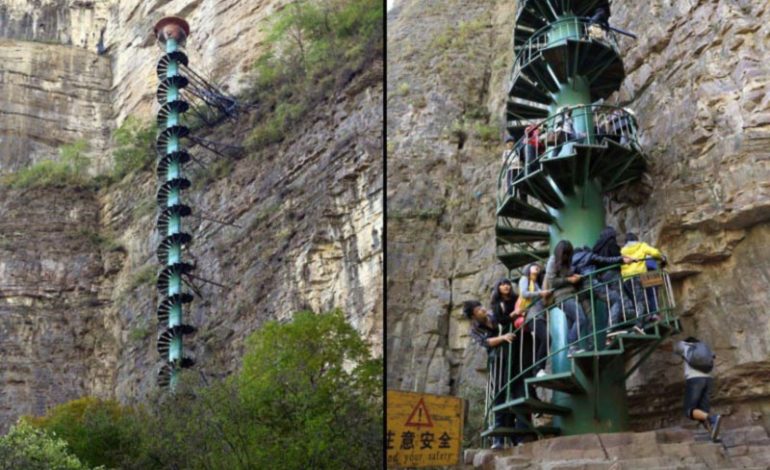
{"x":420,"y":416}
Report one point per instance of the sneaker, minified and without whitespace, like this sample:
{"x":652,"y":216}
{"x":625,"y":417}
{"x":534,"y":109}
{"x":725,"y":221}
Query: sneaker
{"x":541,"y":373}
{"x":714,"y":422}
{"x":497,"y":446}
{"x":638,"y":329}
{"x":575,"y":350}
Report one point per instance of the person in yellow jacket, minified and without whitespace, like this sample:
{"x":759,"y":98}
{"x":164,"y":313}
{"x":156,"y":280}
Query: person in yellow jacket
{"x":639,"y":251}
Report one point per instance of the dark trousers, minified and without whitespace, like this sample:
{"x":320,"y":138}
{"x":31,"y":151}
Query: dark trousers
{"x":634,"y":290}
{"x":577,"y":322}
{"x":696,"y":395}
{"x":520,"y":355}
{"x":540,"y":331}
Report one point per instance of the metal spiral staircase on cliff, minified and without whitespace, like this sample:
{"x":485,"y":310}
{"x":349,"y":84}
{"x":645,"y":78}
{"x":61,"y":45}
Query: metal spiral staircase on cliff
{"x":565,"y":64}
{"x":172,"y":33}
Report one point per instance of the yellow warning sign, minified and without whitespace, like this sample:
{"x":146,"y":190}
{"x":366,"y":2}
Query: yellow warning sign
{"x":423,"y":430}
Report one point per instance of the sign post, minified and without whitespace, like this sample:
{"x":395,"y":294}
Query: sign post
{"x":423,"y":430}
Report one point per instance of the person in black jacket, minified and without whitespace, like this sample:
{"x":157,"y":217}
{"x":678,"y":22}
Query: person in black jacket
{"x":607,"y":285}
{"x":485,"y":332}
{"x":503,"y":306}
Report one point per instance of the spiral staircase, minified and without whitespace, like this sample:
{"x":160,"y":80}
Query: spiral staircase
{"x":172,"y":157}
{"x":550,"y":188}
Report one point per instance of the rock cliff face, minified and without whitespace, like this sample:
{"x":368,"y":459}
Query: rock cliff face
{"x":699,"y":91}
{"x":77,"y":272}
{"x":52,"y":95}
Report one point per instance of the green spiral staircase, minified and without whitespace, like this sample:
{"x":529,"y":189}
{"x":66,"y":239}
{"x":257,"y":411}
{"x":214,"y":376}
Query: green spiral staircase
{"x":550,"y":189}
{"x":172,"y":33}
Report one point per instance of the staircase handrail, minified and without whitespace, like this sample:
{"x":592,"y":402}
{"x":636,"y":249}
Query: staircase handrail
{"x":594,"y":333}
{"x":609,"y":123}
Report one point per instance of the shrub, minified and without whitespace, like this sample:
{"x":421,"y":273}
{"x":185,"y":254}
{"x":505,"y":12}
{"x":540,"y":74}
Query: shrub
{"x":135,"y":147}
{"x":69,"y":171}
{"x":309,"y":395}
{"x":314,"y":49}
{"x":30,"y":448}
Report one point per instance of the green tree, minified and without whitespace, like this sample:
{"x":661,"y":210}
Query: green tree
{"x":308,"y":396}
{"x":315,"y":390}
{"x":99,"y":432}
{"x":28,"y":448}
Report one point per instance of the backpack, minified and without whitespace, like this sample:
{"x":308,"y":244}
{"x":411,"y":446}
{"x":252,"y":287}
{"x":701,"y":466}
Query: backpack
{"x":700,"y":356}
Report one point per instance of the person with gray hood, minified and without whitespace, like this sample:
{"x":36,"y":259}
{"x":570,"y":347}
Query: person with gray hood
{"x":698,"y":364}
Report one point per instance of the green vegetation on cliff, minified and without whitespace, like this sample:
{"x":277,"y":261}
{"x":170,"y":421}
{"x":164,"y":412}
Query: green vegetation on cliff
{"x":316,"y":48}
{"x":309,"y":395}
{"x":69,"y":170}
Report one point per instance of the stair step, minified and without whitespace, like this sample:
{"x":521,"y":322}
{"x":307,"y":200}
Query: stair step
{"x":524,"y":88}
{"x":616,"y":165}
{"x":539,"y":70}
{"x":540,"y":186}
{"x":532,"y":405}
{"x":517,"y":209}
{"x":564,"y":173}
{"x":517,"y":259}
{"x":560,"y":382}
{"x":517,"y":109}
{"x":507,"y":431}
{"x":516,"y":128}
{"x":520,"y":235}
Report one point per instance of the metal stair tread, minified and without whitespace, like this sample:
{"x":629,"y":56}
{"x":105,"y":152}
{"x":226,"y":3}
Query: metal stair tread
{"x":532,"y":405}
{"x":561,"y":381}
{"x":520,"y":235}
{"x":516,"y":208}
{"x":515,"y":259}
{"x":507,"y":431}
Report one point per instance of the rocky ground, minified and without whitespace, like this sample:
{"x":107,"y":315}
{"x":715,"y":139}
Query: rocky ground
{"x":671,"y":448}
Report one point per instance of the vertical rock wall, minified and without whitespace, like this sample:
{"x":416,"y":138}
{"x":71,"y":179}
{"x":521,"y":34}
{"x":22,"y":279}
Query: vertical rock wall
{"x":77,"y":294}
{"x":52,"y":95}
{"x":51,"y":337}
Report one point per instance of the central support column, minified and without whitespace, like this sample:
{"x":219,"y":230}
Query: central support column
{"x":603,"y":408}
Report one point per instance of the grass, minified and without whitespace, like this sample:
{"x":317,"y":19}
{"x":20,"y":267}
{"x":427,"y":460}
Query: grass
{"x":262,"y":215}
{"x":144,"y":207}
{"x":220,"y":168}
{"x":420,"y":214}
{"x":70,"y":170}
{"x":139,"y":333}
{"x":134,"y":147}
{"x":486,"y":133}
{"x":144,"y":276}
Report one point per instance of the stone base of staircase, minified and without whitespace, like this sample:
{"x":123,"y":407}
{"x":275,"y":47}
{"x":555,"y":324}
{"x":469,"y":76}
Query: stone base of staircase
{"x":671,"y":448}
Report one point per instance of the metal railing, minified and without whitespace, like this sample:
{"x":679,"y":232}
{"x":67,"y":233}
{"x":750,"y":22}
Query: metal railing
{"x":609,"y":308}
{"x":554,"y":136}
{"x":570,"y":28}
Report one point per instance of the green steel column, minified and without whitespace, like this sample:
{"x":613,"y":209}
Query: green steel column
{"x":603,"y":408}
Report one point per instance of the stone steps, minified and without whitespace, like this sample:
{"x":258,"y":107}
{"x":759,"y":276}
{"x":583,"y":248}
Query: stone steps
{"x":672,"y":448}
